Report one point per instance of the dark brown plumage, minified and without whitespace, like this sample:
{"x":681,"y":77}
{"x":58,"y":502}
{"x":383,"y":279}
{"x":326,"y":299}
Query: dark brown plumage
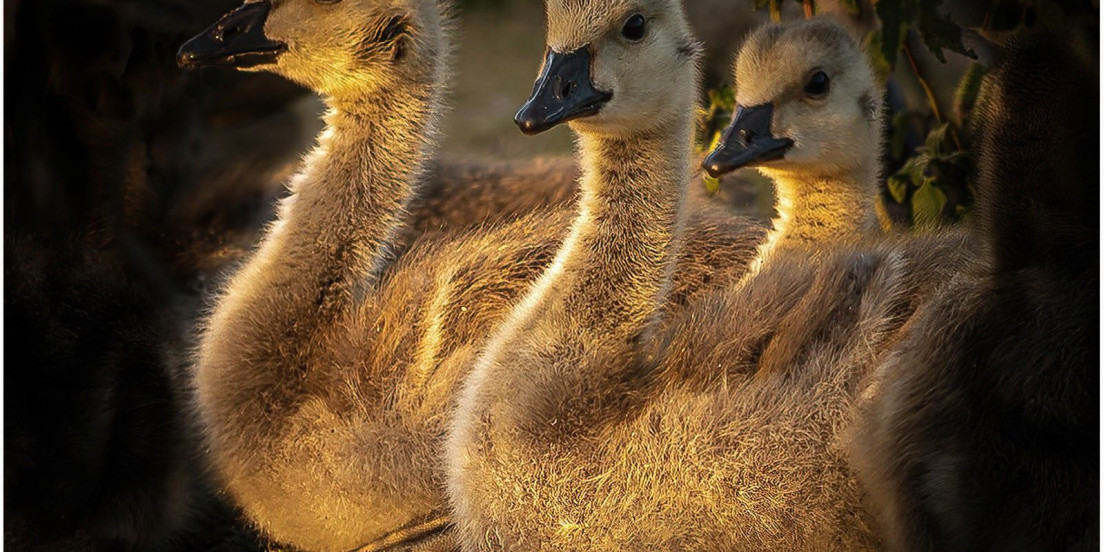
{"x":984,"y":434}
{"x":116,"y":217}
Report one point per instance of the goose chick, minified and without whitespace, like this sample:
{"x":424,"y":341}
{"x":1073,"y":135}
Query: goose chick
{"x":567,"y":350}
{"x":323,"y":369}
{"x":598,"y":419}
{"x":985,"y":435}
{"x":809,"y":117}
{"x":329,"y":362}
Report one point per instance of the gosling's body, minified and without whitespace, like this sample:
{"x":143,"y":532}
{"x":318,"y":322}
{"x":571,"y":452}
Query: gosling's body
{"x":601,"y":418}
{"x":299,"y":379}
{"x":729,"y":437}
{"x":464,"y":195}
{"x":985,"y":434}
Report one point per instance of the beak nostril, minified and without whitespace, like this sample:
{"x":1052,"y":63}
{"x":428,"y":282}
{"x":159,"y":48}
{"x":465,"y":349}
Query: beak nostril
{"x":232,"y":32}
{"x":563,"y":88}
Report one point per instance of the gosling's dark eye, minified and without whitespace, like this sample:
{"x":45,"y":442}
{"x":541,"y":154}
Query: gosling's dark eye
{"x":634,"y":27}
{"x":817,"y":85}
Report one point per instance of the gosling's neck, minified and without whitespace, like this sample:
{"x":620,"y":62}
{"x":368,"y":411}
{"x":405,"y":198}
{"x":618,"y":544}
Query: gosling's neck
{"x":620,"y":255}
{"x":817,"y":208}
{"x":373,"y":144}
{"x":354,"y":188}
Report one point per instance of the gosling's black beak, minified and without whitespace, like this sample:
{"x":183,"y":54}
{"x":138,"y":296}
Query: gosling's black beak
{"x":563,"y":92}
{"x":747,"y":141}
{"x":236,"y":40}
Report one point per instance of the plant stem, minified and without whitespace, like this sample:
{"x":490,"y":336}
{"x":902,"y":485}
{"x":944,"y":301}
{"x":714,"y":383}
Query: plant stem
{"x":810,"y":8}
{"x":932,"y":101}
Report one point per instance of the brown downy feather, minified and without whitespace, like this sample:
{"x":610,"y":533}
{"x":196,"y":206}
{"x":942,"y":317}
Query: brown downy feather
{"x":726,"y":433}
{"x":601,"y":417}
{"x":984,"y":434}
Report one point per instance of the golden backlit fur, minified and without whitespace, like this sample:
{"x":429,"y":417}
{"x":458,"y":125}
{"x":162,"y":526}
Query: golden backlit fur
{"x":601,"y":417}
{"x":352,"y":50}
{"x":985,"y":435}
{"x":313,"y":379}
{"x":723,"y":429}
{"x":329,"y":363}
{"x":826,"y":185}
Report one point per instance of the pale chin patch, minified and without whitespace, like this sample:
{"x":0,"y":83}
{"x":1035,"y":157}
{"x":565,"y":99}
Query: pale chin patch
{"x":802,"y":153}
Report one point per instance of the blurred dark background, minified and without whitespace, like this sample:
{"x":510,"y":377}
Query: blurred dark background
{"x":130,"y":187}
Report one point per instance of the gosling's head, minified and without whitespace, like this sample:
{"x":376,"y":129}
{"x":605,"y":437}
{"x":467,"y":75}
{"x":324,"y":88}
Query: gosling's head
{"x":613,"y":67}
{"x":807,"y":101}
{"x":338,"y":48}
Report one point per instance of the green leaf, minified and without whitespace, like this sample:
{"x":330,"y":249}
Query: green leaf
{"x":898,"y":185}
{"x":909,"y":176}
{"x":896,"y":17}
{"x":927,"y":205}
{"x":915,"y":167}
{"x":711,"y":121}
{"x":967,"y":92}
{"x":939,"y":32}
{"x":952,"y":169}
{"x":936,"y":142}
